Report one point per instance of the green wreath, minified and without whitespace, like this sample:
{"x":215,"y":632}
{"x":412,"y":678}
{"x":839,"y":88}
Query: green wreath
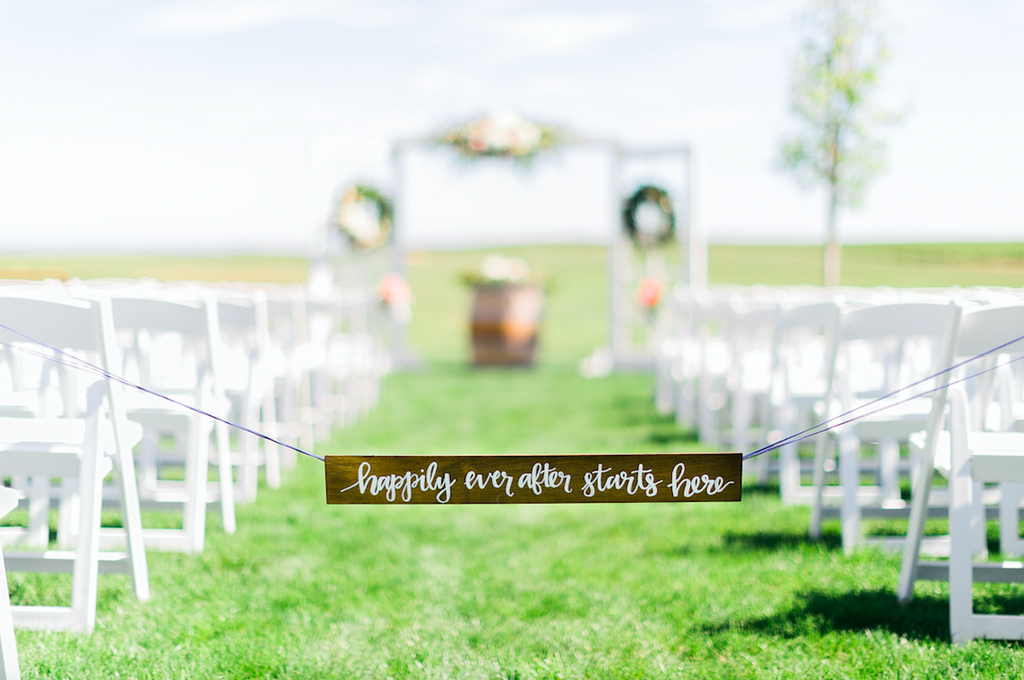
{"x":364,"y":230}
{"x":646,"y":197}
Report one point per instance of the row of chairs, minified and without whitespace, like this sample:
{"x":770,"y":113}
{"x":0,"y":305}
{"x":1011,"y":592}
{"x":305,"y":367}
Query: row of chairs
{"x":264,"y":357}
{"x":749,"y":367}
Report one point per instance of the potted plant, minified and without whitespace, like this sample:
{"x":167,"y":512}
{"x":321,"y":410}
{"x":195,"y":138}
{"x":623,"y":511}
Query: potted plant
{"x":508,"y":303}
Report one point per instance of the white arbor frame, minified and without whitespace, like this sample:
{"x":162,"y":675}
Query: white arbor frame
{"x":623,"y":316}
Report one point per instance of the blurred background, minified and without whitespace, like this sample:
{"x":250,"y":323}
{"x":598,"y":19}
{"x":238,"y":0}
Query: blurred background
{"x":225,"y":127}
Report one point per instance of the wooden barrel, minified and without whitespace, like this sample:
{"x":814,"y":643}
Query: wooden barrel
{"x":505,"y":324}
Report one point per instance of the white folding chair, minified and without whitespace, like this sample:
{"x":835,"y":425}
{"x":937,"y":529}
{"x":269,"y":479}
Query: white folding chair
{"x":804,"y":331}
{"x":9,"y":669}
{"x":684,"y":351}
{"x":80,"y":445}
{"x":979,"y":439}
{"x":286,"y":320}
{"x":172,"y":347}
{"x":751,"y":351}
{"x":978,"y":458}
{"x":345,"y":361}
{"x":712,"y":319}
{"x":878,"y":349}
{"x":248,"y":383}
{"x":671,"y":330}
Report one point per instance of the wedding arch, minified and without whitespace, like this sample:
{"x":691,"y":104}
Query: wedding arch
{"x":636,"y":257}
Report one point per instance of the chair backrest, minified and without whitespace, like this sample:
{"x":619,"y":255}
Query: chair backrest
{"x":244,"y":334}
{"x":895,"y":320}
{"x":982,"y":329}
{"x":890,"y":344}
{"x":804,"y":332}
{"x":73,"y":326}
{"x":65,"y":324}
{"x":80,"y":327}
{"x":172,"y":336}
{"x":751,"y":334}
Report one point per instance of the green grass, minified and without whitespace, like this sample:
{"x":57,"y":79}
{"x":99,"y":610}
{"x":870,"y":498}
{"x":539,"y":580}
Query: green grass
{"x":910,"y":265}
{"x":574,"y":317}
{"x":227,"y":268}
{"x":306,"y":590}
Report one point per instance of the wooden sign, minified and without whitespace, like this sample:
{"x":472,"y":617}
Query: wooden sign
{"x":583,"y":478}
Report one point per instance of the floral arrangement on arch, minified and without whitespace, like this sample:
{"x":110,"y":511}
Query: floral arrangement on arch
{"x":504,"y":134}
{"x":363,"y":214}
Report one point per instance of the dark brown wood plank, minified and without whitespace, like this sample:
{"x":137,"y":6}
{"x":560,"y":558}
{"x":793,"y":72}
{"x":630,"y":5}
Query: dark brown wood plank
{"x":582,"y":478}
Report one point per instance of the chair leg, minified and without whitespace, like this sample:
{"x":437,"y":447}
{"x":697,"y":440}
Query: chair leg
{"x":131,"y":517}
{"x":85,"y":572}
{"x":789,"y":473}
{"x":9,"y":669}
{"x":961,"y":526}
{"x":1010,"y":543}
{"x":663,"y":391}
{"x":271,"y":451}
{"x":979,"y":543}
{"x":742,"y":414}
{"x":823,"y":441}
{"x":686,"y":404}
{"x":849,"y":479}
{"x":196,"y":473}
{"x":915,"y":532}
{"x":38,"y":512}
{"x":226,"y":474}
{"x":250,"y":449}
{"x":889,"y":469}
{"x":67,"y":514}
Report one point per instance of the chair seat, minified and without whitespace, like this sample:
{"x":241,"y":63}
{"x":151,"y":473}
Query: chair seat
{"x":54,"y":443}
{"x":997,"y":456}
{"x":60,"y":460}
{"x":58,"y":431}
{"x":896,"y":422}
{"x":63,"y":561}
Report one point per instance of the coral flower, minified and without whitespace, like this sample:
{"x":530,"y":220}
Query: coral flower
{"x":648,"y":293}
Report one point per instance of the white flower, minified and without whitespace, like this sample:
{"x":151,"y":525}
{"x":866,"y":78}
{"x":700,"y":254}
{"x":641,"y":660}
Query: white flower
{"x":518,"y":269}
{"x":495,"y":267}
{"x":501,"y":268}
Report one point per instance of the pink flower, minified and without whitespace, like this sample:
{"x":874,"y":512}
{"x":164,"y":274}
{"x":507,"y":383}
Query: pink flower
{"x":648,"y":293}
{"x":394,"y":290}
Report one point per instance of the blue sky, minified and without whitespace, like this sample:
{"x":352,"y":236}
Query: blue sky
{"x":224,"y":126}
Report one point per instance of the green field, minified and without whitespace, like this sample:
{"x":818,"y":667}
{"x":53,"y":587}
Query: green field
{"x":304,"y":590}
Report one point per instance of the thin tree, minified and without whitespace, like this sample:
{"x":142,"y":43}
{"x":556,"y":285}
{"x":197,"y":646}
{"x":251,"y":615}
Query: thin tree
{"x":836,"y":75}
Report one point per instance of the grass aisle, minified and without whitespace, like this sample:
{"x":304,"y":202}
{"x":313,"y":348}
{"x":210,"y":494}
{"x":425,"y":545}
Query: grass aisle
{"x":735,"y":590}
{"x":657,"y":591}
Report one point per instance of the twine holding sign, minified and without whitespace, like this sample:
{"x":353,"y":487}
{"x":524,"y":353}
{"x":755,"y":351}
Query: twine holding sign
{"x":582,"y":478}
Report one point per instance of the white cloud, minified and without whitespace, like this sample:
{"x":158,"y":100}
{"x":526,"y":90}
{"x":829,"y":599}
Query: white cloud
{"x":229,"y":16}
{"x":564,"y":32}
{"x":550,"y":85}
{"x":752,"y":14}
{"x":437,"y":79}
{"x":691,"y":124}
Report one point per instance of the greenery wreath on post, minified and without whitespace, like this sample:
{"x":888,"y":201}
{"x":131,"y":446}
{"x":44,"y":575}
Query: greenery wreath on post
{"x":364,"y":216}
{"x":648,"y":216}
